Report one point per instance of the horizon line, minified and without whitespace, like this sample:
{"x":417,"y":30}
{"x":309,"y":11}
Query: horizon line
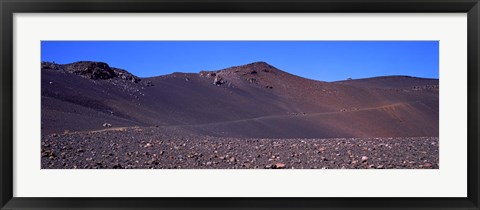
{"x":197,"y":72}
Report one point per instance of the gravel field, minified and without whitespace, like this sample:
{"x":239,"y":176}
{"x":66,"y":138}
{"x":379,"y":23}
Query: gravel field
{"x":171,"y":148}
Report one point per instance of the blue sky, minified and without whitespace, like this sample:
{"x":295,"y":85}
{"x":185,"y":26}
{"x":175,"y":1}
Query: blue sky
{"x":319,"y":60}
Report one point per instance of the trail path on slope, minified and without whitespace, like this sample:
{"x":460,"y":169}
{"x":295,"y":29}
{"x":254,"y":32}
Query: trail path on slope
{"x":300,"y":115}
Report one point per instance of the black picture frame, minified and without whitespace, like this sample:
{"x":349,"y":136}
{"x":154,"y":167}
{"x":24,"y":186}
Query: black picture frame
{"x":9,"y":7}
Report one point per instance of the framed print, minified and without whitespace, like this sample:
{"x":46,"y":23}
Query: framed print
{"x":239,"y":105}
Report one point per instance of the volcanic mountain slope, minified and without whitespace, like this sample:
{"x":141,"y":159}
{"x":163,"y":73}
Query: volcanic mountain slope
{"x":255,"y":100}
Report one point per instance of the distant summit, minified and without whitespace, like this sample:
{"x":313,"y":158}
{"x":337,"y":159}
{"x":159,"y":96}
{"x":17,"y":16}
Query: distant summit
{"x":260,"y":65}
{"x":259,"y":73}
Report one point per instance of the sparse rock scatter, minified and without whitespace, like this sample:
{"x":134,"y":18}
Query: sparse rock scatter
{"x":169,"y":148}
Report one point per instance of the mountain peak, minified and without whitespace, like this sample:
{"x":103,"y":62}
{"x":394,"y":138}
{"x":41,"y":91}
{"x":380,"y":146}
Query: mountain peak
{"x":257,"y":73}
{"x":258,"y":64}
{"x":251,"y":68}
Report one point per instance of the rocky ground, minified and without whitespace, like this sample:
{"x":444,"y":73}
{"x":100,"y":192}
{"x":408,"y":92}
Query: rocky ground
{"x":168,"y":148}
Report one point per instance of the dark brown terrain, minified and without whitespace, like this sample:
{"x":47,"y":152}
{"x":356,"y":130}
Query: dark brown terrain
{"x":250,"y":116}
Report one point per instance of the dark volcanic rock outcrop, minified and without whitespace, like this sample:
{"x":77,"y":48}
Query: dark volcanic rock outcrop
{"x":92,"y":70}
